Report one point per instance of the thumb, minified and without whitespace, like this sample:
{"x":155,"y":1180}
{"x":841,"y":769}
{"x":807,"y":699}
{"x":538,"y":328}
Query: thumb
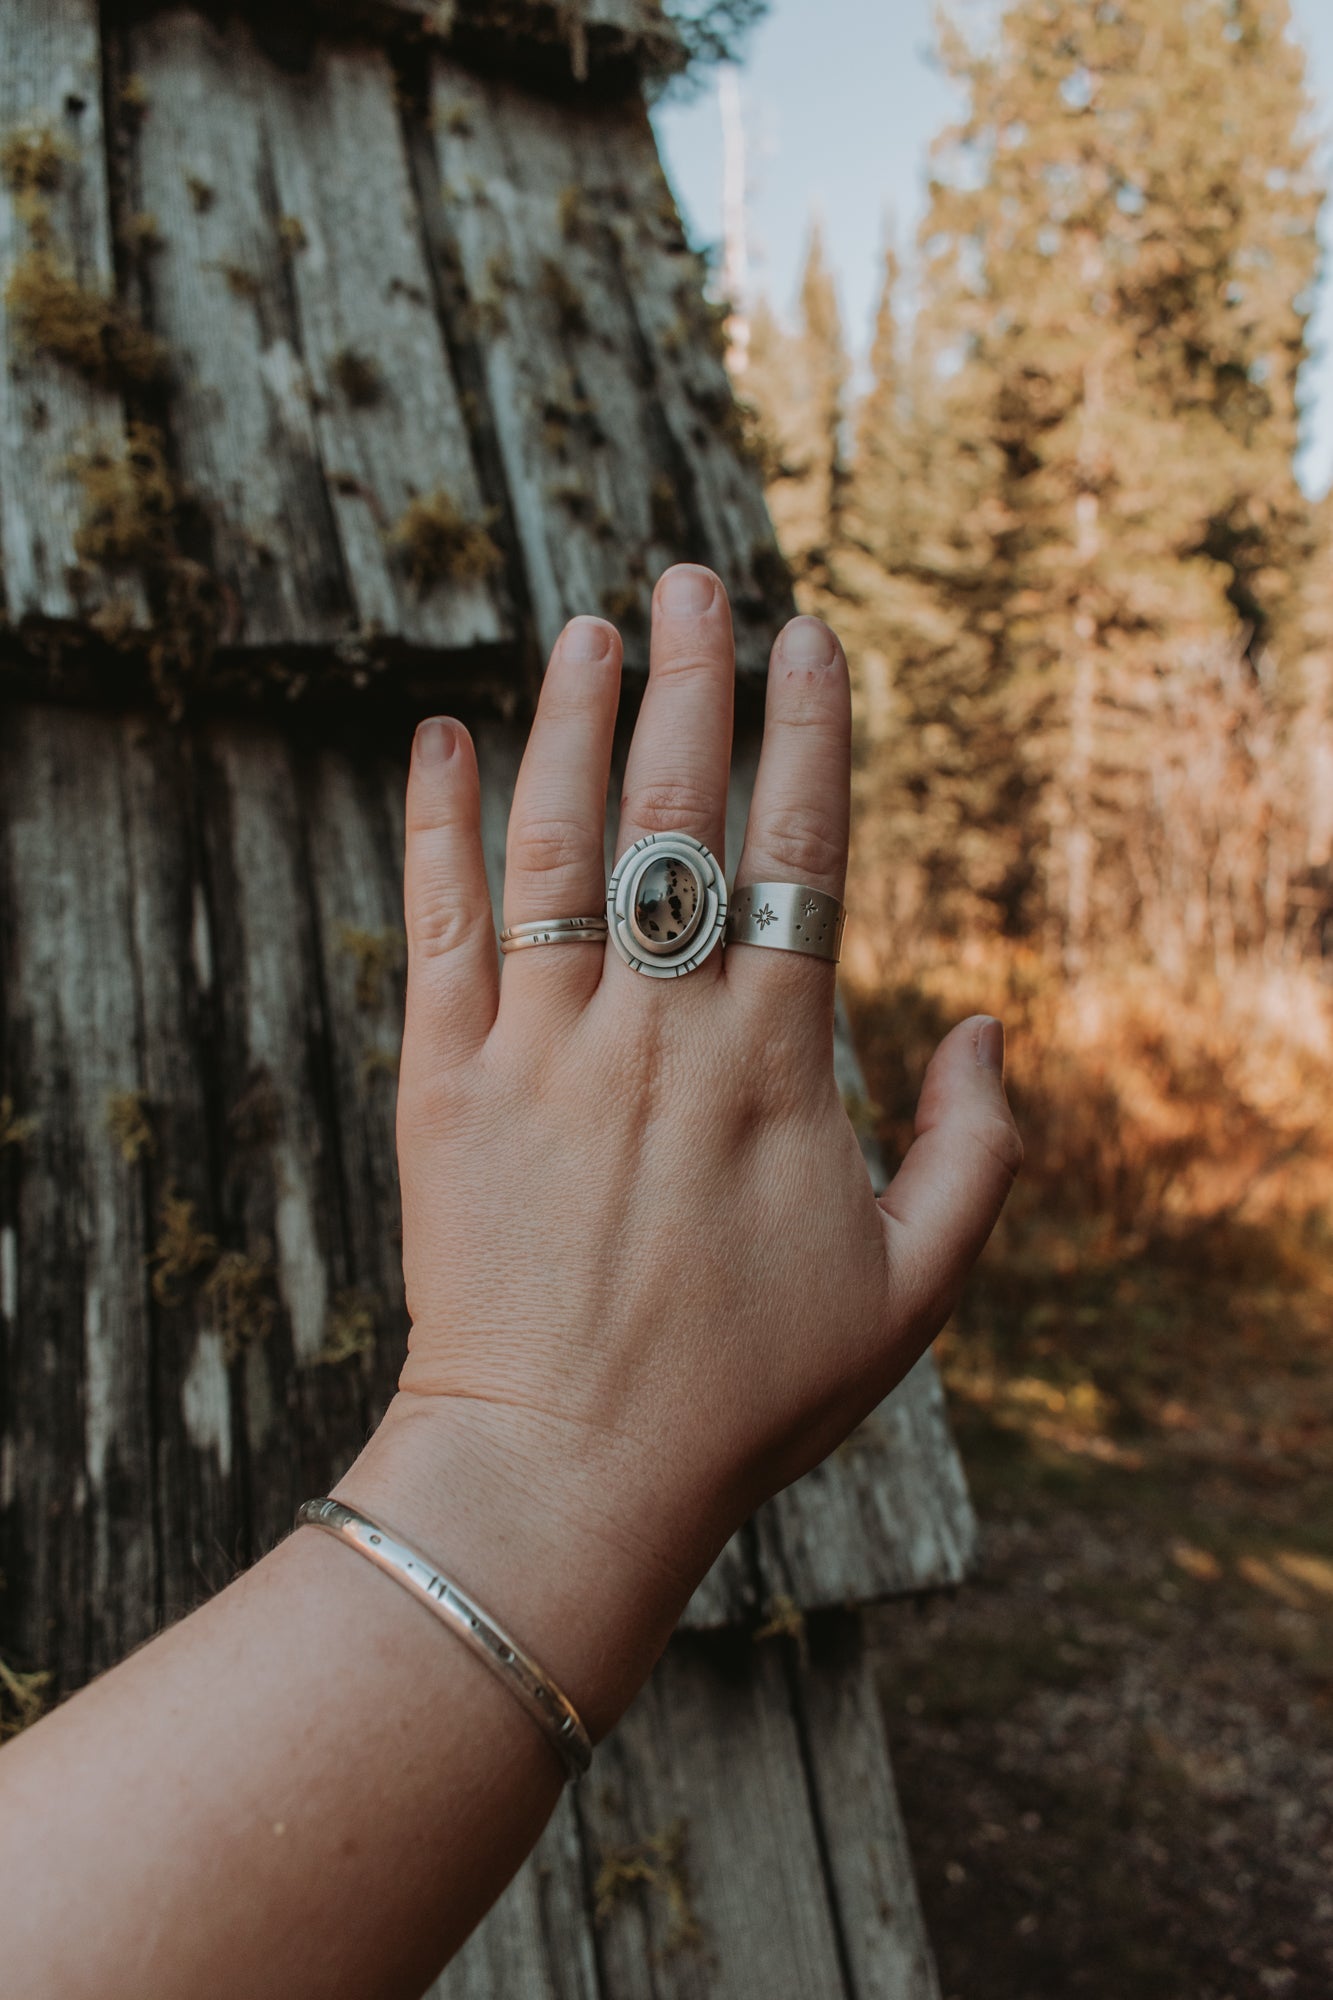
{"x":945,"y":1199}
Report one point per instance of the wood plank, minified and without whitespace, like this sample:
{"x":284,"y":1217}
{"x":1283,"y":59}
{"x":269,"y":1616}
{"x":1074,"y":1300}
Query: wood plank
{"x":604,"y":492}
{"x":356,"y":868}
{"x":218,"y":291}
{"x":196,"y":1458}
{"x":283,"y":1197}
{"x":862,"y":1833}
{"x":51,"y":82}
{"x":388,"y":421}
{"x":710,"y":1753}
{"x":582,"y":37}
{"x":76,"y":1488}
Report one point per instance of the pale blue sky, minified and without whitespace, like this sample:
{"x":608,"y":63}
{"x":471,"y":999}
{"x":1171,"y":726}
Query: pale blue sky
{"x":841,"y":102}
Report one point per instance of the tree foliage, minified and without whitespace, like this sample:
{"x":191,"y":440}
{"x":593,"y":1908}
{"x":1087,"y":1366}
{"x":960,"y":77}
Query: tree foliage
{"x":1071,"y":519}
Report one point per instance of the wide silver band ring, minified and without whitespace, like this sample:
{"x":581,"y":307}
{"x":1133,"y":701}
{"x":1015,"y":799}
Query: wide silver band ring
{"x":666,"y":904}
{"x":554,"y":930}
{"x":787,"y":916}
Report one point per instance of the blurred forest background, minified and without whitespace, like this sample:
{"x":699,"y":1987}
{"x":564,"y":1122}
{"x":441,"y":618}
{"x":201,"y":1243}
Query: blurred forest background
{"x":1090,"y":612}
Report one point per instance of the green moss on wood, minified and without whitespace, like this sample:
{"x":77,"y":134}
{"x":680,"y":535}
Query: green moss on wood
{"x":32,"y":160}
{"x":656,"y":1864}
{"x":23,"y":1699}
{"x":130,"y":1125}
{"x":183,"y":1250}
{"x":54,"y":313}
{"x":129,"y":501}
{"x":351,"y":1329}
{"x":436,"y":543}
{"x":14,"y":1130}
{"x":240,"y":1290}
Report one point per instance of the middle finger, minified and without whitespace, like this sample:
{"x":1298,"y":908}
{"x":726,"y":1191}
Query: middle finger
{"x":680,"y":755}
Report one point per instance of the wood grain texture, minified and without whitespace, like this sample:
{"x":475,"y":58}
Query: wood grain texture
{"x":313,"y":395}
{"x":51,"y":82}
{"x":76,"y":1476}
{"x":607,"y":478}
{"x":762,"y":1790}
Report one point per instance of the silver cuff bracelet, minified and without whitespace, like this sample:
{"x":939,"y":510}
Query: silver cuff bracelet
{"x":554,"y":1714}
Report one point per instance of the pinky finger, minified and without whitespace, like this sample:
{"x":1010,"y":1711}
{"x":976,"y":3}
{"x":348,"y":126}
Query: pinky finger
{"x":452,"y":978}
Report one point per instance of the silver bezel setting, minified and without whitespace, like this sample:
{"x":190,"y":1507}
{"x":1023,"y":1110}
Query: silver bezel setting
{"x":709,"y":923}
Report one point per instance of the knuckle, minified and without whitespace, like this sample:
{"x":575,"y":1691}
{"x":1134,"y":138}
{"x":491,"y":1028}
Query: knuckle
{"x":689,"y":664}
{"x":439,"y":924}
{"x":553,"y":846}
{"x":805,"y":840}
{"x":669,"y":805}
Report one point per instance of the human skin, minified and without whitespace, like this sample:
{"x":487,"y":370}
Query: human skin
{"x":648,"y":1283}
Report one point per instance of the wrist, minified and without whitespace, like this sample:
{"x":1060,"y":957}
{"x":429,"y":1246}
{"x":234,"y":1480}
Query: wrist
{"x":527,"y":1522}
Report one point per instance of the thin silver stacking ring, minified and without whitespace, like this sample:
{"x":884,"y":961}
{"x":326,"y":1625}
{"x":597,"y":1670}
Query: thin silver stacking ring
{"x":666,"y":904}
{"x":787,"y":916}
{"x":554,"y":930}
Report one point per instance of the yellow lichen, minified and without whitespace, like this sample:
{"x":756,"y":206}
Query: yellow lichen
{"x":436,"y":542}
{"x":134,"y":96}
{"x":291,"y":234}
{"x":14,"y":1131}
{"x":129,"y":1124}
{"x":239,"y":1288}
{"x":22,"y":1699}
{"x":54,"y":313}
{"x":376,"y":955}
{"x":32,"y":159}
{"x":658,"y":1865}
{"x":129,"y":501}
{"x":357,"y":378}
{"x":116,"y":622}
{"x":456,"y":119}
{"x":784,"y":1619}
{"x":351,"y":1329}
{"x":183,"y":1250}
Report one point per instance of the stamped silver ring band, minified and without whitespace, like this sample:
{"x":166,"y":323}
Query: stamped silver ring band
{"x":666,"y":904}
{"x":787,"y":916}
{"x":554,"y":930}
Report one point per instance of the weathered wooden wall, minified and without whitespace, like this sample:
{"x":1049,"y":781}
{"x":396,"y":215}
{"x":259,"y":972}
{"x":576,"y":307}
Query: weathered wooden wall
{"x":377,"y":277}
{"x":211,"y":917}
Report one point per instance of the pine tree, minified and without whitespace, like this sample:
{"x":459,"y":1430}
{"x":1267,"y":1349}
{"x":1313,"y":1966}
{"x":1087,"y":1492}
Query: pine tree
{"x":798,"y":382}
{"x":1117,"y":260}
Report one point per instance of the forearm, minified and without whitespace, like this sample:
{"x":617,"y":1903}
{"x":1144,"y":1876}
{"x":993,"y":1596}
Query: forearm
{"x":310,"y":1787}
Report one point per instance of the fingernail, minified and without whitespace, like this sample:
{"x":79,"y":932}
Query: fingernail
{"x":684,"y":591}
{"x":990,"y":1046}
{"x":807,"y":642}
{"x":586,"y":641}
{"x":436,"y":741}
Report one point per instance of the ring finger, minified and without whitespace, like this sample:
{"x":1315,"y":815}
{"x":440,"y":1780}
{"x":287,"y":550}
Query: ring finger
{"x":554,"y":861}
{"x":797,"y":828}
{"x":676,"y":773}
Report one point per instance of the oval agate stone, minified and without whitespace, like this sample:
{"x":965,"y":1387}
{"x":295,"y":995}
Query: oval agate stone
{"x":668,"y":904}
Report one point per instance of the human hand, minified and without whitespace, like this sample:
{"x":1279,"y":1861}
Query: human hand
{"x":649,"y":1282}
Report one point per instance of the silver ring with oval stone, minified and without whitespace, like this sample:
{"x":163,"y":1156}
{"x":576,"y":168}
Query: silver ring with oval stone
{"x":666,"y":904}
{"x":788,"y":916}
{"x":553,"y":930}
